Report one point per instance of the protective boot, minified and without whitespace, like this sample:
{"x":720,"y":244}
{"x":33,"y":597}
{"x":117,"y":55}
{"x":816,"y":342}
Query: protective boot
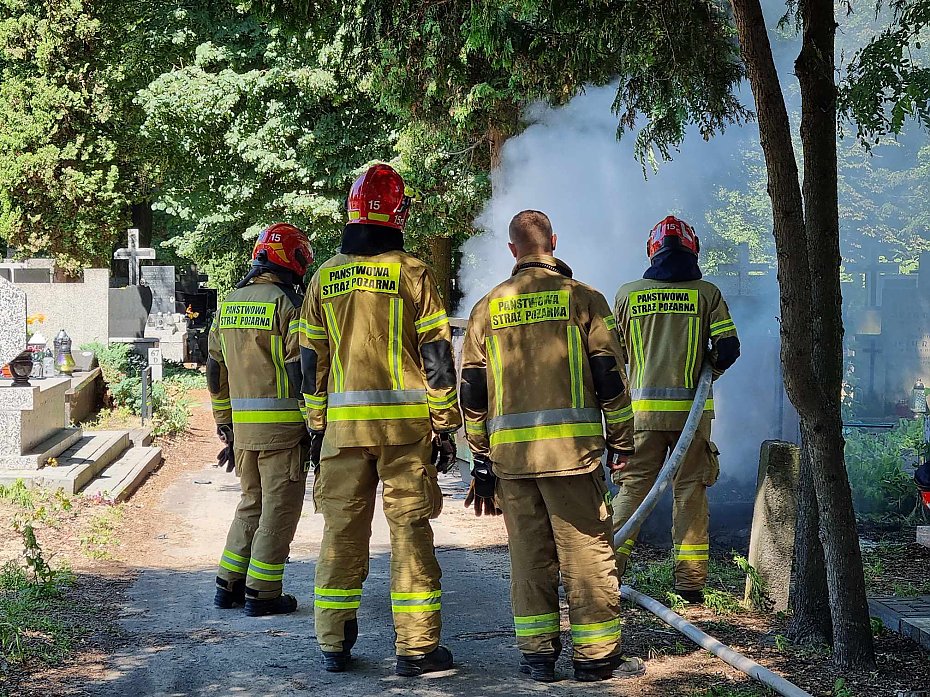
{"x":611,"y":667}
{"x":282,"y":605}
{"x":539,"y":666}
{"x":341,"y":661}
{"x":438,"y":659}
{"x":229,"y":593}
{"x":694,"y":597}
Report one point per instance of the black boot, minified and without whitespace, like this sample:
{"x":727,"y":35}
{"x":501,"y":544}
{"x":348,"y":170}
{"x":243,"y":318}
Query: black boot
{"x":282,"y":605}
{"x":539,"y":666}
{"x":694,"y":597}
{"x":607,"y":668}
{"x":341,"y":661}
{"x":438,"y":659}
{"x":229,"y":593}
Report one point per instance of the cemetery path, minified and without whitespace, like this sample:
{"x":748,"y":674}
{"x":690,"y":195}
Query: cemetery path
{"x":166,"y":638}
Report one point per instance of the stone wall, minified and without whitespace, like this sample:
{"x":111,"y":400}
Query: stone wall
{"x":80,"y":308}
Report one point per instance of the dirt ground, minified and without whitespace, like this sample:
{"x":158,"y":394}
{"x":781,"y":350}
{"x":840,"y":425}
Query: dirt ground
{"x":149,"y":628}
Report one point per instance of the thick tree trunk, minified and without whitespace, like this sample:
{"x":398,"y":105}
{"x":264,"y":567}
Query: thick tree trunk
{"x":852,"y":635}
{"x":808,"y":278}
{"x":810,"y":606}
{"x":496,"y":139}
{"x":441,"y":254}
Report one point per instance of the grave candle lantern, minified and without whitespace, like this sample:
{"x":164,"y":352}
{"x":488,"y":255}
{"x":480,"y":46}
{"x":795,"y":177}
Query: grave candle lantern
{"x":64,"y":361}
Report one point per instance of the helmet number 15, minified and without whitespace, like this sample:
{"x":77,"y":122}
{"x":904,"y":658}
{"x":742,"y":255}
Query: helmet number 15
{"x":274,"y":237}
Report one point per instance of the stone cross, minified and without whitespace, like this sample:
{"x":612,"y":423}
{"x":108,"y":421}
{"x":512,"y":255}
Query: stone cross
{"x":743,"y":270}
{"x":12,"y":321}
{"x":134,"y":254}
{"x":872,"y":350}
{"x":873,"y":272}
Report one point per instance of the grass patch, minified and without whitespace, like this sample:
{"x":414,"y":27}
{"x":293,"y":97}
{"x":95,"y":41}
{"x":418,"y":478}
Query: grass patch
{"x":733,"y":691}
{"x":100,"y":535}
{"x":656,"y":578}
{"x":36,"y":505}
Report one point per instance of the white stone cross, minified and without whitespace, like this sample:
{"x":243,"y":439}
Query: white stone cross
{"x":134,"y":253}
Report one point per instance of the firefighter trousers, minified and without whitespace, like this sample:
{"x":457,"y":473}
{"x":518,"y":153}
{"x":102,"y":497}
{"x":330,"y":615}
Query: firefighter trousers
{"x":273,"y":485}
{"x":689,"y":508}
{"x":561,"y":525}
{"x":344,"y":492}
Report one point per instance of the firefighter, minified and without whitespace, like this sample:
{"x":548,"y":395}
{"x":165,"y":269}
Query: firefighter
{"x":253,"y":373}
{"x":540,"y":369}
{"x":379,"y":381}
{"x":670,"y":322}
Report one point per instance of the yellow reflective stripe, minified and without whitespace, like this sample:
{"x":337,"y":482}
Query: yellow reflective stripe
{"x":636,"y":330}
{"x":320,"y":590}
{"x":626,"y":548}
{"x":267,"y":417}
{"x":262,"y":576}
{"x":355,"y":215}
{"x":395,"y":326}
{"x":417,"y":608}
{"x":497,"y":370}
{"x":692,"y":556}
{"x":525,"y":435}
{"x":619,"y":416}
{"x":686,"y":548}
{"x":234,"y":556}
{"x":575,"y":366}
{"x":373,"y":413}
{"x":691,"y":357}
{"x":611,"y":322}
{"x":436,"y":319}
{"x":723,"y":326}
{"x":668,"y":405}
{"x":314,"y":401}
{"x":535,"y":625}
{"x":293,"y":327}
{"x":277,"y":357}
{"x":478,"y":428}
{"x":419,"y":595}
{"x":338,"y":604}
{"x":337,"y":598}
{"x":339,"y":377}
{"x":596,"y":633}
{"x":421,"y":601}
{"x":381,"y":217}
{"x":221,"y":404}
{"x":266,"y":566}
{"x":232,"y":567}
{"x":311,"y":331}
{"x":442,"y":402}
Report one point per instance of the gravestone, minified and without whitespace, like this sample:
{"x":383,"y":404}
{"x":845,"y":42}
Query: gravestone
{"x":160,"y":279}
{"x":133,"y":254}
{"x":32,"y":419}
{"x":771,"y":543}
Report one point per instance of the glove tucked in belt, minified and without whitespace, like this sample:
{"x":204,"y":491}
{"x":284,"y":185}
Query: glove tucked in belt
{"x":481,"y":491}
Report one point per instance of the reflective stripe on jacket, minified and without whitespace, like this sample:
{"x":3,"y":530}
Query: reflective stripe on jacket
{"x":254,"y":339}
{"x":542,"y":375}
{"x":668,"y":328}
{"x":377,"y":352}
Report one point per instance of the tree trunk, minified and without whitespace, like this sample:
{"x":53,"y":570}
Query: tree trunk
{"x":852,"y":634}
{"x":441,"y":254}
{"x":496,"y":139}
{"x":810,"y":606}
{"x":808,"y":279}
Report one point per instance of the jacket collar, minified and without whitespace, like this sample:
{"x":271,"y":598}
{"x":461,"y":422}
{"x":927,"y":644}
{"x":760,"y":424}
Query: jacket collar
{"x":366,"y":240}
{"x":672,"y":264}
{"x":542,"y":261}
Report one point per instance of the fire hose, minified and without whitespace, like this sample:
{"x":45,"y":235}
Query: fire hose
{"x":674,"y":620}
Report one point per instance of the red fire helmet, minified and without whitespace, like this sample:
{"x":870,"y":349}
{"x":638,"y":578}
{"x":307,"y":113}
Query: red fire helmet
{"x":672,"y":227}
{"x":286,"y":246}
{"x":379,"y":197}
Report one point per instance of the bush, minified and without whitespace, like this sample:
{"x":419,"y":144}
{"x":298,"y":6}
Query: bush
{"x":116,"y":360}
{"x":882,"y":485}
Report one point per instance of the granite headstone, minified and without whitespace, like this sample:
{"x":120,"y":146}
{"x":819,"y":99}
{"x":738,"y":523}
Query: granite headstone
{"x":162,"y":283}
{"x":12,"y":321}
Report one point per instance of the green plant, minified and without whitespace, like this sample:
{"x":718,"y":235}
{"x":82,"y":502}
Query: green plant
{"x":116,"y":360}
{"x":675,"y":601}
{"x":781,"y":642}
{"x":878,"y":627}
{"x":100,"y":535}
{"x":840,"y":689}
{"x":758,"y":593}
{"x":731,"y":691}
{"x":653,"y":578}
{"x":721,"y":602}
{"x":175,"y":374}
{"x":882,"y":489}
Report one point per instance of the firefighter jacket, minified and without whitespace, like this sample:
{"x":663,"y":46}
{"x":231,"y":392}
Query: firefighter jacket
{"x":668,"y":328}
{"x":541,"y":365}
{"x":376,"y":351}
{"x":253,"y":369}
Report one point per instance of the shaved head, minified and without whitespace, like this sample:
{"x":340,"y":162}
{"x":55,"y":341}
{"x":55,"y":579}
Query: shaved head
{"x":531,"y":233}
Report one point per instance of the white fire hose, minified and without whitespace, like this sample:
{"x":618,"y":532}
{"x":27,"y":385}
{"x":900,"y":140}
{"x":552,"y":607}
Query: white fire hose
{"x":674,"y":620}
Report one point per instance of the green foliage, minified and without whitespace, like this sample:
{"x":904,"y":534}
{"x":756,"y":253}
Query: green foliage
{"x":116,"y":360}
{"x":100,"y":536}
{"x":65,"y":175}
{"x":732,"y":691}
{"x":840,"y":689}
{"x":888,"y":80}
{"x":721,"y":602}
{"x":882,"y":489}
{"x":759,"y":599}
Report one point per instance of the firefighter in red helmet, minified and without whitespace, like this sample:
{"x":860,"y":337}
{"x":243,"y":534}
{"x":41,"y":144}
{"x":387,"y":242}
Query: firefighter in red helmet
{"x":379,"y":382}
{"x":253,"y":374}
{"x":670,"y":322}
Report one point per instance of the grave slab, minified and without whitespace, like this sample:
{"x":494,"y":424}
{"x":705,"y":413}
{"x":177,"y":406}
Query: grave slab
{"x":909,"y":617}
{"x":923,"y":535}
{"x":29,"y":416}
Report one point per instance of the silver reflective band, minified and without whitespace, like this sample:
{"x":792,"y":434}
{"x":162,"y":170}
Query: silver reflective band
{"x":638,"y":393}
{"x":264,"y":404}
{"x":548,"y":417}
{"x":368,"y":397}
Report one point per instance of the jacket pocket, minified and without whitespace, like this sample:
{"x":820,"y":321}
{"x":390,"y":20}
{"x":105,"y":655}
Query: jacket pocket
{"x":316,"y":489}
{"x":300,"y":463}
{"x":712,"y":472}
{"x":432,"y":491}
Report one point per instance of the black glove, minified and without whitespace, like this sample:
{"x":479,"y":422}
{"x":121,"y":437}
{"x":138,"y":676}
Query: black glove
{"x":226,"y":456}
{"x":444,"y":452}
{"x":316,"y":447}
{"x":481,"y":491}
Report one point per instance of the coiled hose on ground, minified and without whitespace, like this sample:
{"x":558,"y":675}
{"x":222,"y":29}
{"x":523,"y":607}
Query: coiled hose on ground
{"x":702,"y":639}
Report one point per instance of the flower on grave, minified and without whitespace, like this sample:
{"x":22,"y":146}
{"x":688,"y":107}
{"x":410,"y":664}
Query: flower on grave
{"x":190,"y":313}
{"x":34,"y":320}
{"x":52,"y":462}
